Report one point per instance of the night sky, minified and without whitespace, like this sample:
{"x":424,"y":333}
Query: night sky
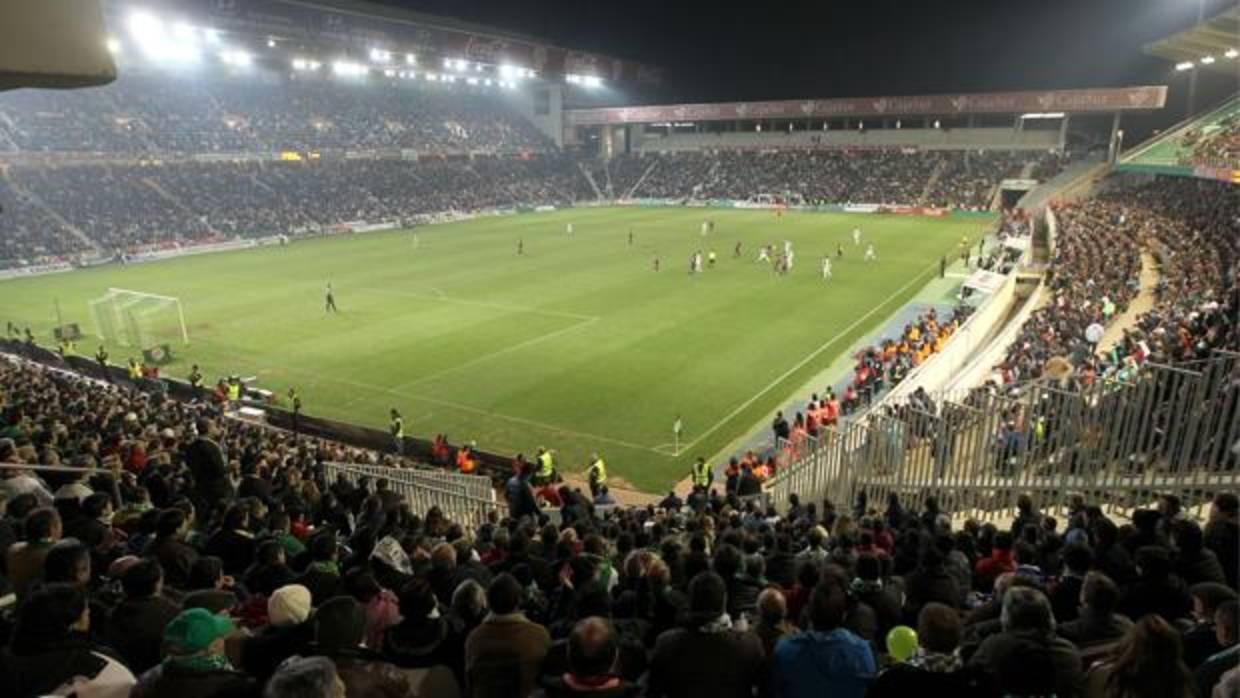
{"x":854,"y":48}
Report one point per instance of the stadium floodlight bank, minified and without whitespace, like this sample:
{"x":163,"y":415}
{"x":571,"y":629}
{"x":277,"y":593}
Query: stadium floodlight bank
{"x":139,"y":319}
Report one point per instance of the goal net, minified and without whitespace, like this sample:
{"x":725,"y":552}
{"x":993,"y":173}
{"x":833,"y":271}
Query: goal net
{"x":138,"y":319}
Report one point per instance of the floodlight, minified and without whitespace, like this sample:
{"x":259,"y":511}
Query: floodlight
{"x":389,"y":73}
{"x":113,"y":45}
{"x":211,"y":35}
{"x":299,"y":64}
{"x":349,"y":69}
{"x":472,"y":81}
{"x":1207,"y":60}
{"x":380,"y":56}
{"x":1231,"y":53}
{"x":477,"y":67}
{"x":487,"y":82}
{"x":507,"y":71}
{"x":1186,"y":65}
{"x":592,"y":81}
{"x":411,"y":59}
{"x":144,"y":26}
{"x":240,"y":59}
{"x":271,"y":43}
{"x":183,"y":31}
{"x":432,"y":77}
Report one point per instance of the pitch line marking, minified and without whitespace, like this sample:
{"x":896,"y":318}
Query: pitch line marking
{"x":803,"y":362}
{"x":491,"y":355}
{"x":479,"y":304}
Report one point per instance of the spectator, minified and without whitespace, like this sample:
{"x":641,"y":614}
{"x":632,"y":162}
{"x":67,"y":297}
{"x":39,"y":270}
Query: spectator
{"x":1027,"y":658}
{"x":1201,"y":639}
{"x":1147,"y":664}
{"x":288,"y":632}
{"x":195,"y":664}
{"x":136,"y":625}
{"x":1097,"y":622}
{"x":310,"y":677}
{"x":707,"y":655}
{"x":1210,"y":673}
{"x":1193,"y":562}
{"x":24,"y":560}
{"x":825,"y":659}
{"x":504,"y":652}
{"x":593,"y":653}
{"x":1066,"y":595}
{"x":1222,"y":534}
{"x":1157,"y":589}
{"x":50,"y":654}
{"x":772,"y":624}
{"x":1000,"y":561}
{"x":936,"y":668}
{"x":339,"y":629}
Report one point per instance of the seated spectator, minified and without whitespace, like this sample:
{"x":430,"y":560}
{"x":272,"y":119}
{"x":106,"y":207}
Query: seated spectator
{"x":1097,"y":622}
{"x":196,"y":665}
{"x":136,"y":625}
{"x":339,"y":629}
{"x":50,"y":654}
{"x":288,"y":632}
{"x":593,"y":653}
{"x":1157,"y":589}
{"x":233,"y":543}
{"x":322,"y":575}
{"x":1027,"y":658}
{"x":706,"y":656}
{"x":24,"y":561}
{"x":1227,"y":629}
{"x":1000,"y":561}
{"x":309,"y":677}
{"x":423,"y":638}
{"x":827,"y":659}
{"x":931,"y":581}
{"x":869,"y":588}
{"x":1193,"y":562}
{"x":269,"y":571}
{"x":772,"y":624}
{"x":936,"y":668}
{"x":1147,"y":664}
{"x":169,"y":547}
{"x":1200,"y":641}
{"x":1222,"y":535}
{"x":505,"y":652}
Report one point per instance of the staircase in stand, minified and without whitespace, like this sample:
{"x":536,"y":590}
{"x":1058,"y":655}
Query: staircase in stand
{"x":932,"y":181}
{"x":40,"y":203}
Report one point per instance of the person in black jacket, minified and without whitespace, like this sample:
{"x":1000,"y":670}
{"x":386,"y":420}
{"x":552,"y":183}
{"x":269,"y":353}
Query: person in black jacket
{"x":1222,"y":535}
{"x":1097,"y":623}
{"x":1194,"y":563}
{"x":206,"y":462}
{"x":169,"y":547}
{"x":196,"y":666}
{"x":136,"y":626}
{"x":1157,"y":589}
{"x":322,"y":575}
{"x":233,"y":543}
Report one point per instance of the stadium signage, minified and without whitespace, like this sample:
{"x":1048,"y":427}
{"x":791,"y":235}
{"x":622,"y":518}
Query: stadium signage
{"x":35,"y":270}
{"x":1088,"y":100}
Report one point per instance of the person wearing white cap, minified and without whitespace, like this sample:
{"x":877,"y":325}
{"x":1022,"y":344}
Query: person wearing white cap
{"x":287,"y":634}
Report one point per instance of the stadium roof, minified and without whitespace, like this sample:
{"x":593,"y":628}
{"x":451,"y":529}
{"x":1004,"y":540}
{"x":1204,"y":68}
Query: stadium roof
{"x":1100,"y":100}
{"x":1217,"y":38}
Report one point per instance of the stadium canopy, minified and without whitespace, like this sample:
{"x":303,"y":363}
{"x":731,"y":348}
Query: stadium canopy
{"x":1217,"y":40}
{"x":1107,"y":100}
{"x":393,"y":32}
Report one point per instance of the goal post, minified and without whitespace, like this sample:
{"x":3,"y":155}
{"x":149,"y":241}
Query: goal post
{"x":139,"y":319}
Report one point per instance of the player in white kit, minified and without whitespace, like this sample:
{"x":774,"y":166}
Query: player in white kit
{"x":856,"y":236}
{"x":764,"y":253}
{"x":870,"y":254}
{"x":569,"y":229}
{"x":705,"y":228}
{"x":826,"y":267}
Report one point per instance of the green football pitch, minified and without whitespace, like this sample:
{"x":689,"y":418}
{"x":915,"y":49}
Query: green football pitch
{"x":578,"y":344}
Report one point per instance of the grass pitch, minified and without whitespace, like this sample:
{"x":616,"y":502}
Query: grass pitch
{"x":578,"y":344}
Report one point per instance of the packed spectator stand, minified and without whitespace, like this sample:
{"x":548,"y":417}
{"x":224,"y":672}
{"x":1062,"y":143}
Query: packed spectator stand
{"x":191,"y":555}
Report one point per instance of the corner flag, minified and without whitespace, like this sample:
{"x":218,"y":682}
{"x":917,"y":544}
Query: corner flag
{"x":677,"y":427}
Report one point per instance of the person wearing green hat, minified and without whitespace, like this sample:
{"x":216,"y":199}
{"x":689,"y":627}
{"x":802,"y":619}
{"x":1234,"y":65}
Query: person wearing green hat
{"x":195,"y":665}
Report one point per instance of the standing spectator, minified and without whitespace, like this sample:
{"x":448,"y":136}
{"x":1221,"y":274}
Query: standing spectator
{"x":521,"y":500}
{"x":706,"y":656}
{"x":772,"y":625}
{"x":50,"y":653}
{"x":827,"y":659}
{"x":931,"y":581}
{"x":176,"y":556}
{"x":1146,"y":665}
{"x":1157,"y":589}
{"x":935,"y":669}
{"x":1027,"y":658}
{"x":504,"y":653}
{"x":205,"y":460}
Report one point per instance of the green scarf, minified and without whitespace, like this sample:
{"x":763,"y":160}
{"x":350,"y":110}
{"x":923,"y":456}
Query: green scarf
{"x":328,"y":566}
{"x":199,"y":663}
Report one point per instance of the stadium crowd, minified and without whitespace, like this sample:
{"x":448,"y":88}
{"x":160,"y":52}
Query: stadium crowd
{"x":1190,"y":227}
{"x":204,"y":554}
{"x":156,"y":114}
{"x":1219,"y":148}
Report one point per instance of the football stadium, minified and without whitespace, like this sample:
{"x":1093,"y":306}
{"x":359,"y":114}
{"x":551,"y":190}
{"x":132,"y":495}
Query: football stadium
{"x":382,"y":349}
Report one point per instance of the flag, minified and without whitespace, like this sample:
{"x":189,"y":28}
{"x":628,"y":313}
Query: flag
{"x":677,"y":427}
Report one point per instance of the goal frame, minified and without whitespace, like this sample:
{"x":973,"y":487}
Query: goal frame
{"x":120,"y":299}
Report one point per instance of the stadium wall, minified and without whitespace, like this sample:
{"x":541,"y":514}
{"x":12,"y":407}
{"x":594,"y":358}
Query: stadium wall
{"x":920,"y":138}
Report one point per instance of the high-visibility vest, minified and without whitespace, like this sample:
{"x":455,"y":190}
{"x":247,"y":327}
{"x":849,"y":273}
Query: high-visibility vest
{"x":398,"y":428}
{"x":234,"y":392}
{"x":546,"y":466}
{"x":135,"y":370}
{"x":701,"y":474}
{"x":599,"y":471}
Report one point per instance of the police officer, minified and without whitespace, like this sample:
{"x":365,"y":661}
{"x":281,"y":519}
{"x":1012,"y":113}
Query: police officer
{"x":597,"y":474}
{"x":545,"y":475}
{"x":702,"y":474}
{"x":195,"y":381}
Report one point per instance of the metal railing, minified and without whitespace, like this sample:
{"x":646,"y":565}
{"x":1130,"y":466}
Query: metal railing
{"x":422,"y":493}
{"x":479,"y":486}
{"x":1119,"y":444}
